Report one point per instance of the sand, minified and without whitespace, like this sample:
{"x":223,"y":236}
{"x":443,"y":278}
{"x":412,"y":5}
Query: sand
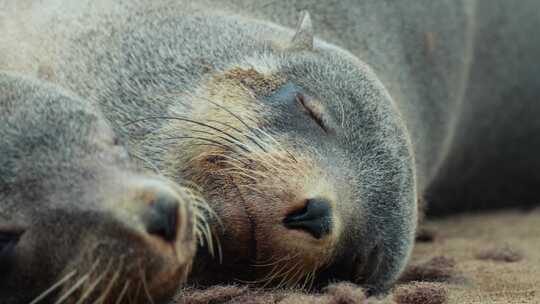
{"x":481,"y":258}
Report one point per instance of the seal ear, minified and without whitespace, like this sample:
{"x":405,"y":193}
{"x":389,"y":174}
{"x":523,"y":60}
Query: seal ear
{"x":303,"y":38}
{"x":8,"y":240}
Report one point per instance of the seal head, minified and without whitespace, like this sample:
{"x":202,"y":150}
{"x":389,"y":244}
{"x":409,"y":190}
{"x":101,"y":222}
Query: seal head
{"x":302,"y":154}
{"x":78,"y":224}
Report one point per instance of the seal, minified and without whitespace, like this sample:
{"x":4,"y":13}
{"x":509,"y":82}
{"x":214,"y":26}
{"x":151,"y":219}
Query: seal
{"x":313,"y":155}
{"x":78,"y":224}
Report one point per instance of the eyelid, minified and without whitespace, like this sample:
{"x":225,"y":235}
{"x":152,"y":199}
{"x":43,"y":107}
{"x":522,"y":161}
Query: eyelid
{"x":313,"y":112}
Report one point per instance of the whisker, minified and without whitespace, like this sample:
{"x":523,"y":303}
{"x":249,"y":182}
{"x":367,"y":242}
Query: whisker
{"x":78,"y":284}
{"x":261,"y":280}
{"x":277,"y":143}
{"x":264,"y":160}
{"x":146,"y":161}
{"x":235,"y":161}
{"x":205,"y":155}
{"x":220,"y":251}
{"x":203,"y":144}
{"x":285,"y":275}
{"x":277,"y":271}
{"x":190,"y":187}
{"x":206,"y":235}
{"x":200,"y":239}
{"x":277,"y":274}
{"x":228,"y":126}
{"x":283,"y":259}
{"x":250,"y":174}
{"x":232,"y":162}
{"x":207,"y":231}
{"x":240,"y":144}
{"x":203,"y":211}
{"x":232,"y":159}
{"x":202,"y":230}
{"x":264,"y":261}
{"x":250,"y":129}
{"x":53,"y":287}
{"x":145,"y":284}
{"x":138,"y":291}
{"x":312,"y":281}
{"x":93,"y":286}
{"x":111,"y":282}
{"x":297,"y":277}
{"x":186,"y":120}
{"x":212,"y":141}
{"x":305,"y":279}
{"x":123,"y":292}
{"x":243,"y":175}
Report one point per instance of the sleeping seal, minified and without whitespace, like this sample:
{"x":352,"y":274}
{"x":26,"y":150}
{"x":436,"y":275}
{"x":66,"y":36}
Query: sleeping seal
{"x":78,"y":224}
{"x":311,"y":152}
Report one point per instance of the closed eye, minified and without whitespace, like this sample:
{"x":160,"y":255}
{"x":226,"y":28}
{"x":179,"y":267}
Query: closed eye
{"x":312,"y":111}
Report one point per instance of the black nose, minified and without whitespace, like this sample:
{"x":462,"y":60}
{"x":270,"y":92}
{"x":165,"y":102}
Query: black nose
{"x":161,"y":218}
{"x":315,"y":218}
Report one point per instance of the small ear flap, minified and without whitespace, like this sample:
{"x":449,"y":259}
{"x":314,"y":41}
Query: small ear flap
{"x":303,"y":38}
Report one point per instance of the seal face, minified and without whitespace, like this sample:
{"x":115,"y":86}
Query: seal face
{"x":77,"y":223}
{"x":303,"y":193}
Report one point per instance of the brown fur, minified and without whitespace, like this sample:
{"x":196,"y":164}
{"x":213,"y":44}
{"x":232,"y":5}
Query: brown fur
{"x":255,"y":81}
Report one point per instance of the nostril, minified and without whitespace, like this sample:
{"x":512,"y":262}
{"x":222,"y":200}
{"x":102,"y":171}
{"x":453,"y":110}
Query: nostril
{"x":162,"y":217}
{"x":315,"y":217}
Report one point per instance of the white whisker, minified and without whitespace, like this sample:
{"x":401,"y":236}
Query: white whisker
{"x":53,"y":287}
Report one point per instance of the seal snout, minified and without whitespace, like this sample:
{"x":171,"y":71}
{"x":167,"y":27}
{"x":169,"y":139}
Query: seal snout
{"x":161,"y":218}
{"x":162,"y":210}
{"x":315,"y":218}
{"x":156,"y":221}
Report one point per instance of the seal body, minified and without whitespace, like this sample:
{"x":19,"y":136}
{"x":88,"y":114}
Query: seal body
{"x":312,"y":153}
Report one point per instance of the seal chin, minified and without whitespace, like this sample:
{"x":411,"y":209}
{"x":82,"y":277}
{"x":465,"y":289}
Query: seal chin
{"x":169,"y":266}
{"x":291,"y":257}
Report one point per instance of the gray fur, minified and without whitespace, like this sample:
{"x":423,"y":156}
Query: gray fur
{"x":47,"y":145}
{"x":65,"y":179}
{"x":417,"y":93}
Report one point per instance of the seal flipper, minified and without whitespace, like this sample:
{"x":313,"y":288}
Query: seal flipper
{"x":8,"y":241}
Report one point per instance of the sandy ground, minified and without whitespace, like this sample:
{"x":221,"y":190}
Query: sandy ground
{"x":497,"y":256}
{"x":484,"y":258}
